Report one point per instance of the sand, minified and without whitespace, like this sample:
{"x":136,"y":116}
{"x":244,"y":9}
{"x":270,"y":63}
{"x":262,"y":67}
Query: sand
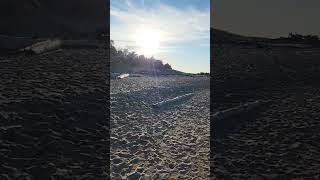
{"x":280,"y":140}
{"x":53,"y":115}
{"x":167,"y":143}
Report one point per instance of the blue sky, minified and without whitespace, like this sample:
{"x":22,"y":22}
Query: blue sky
{"x":183,"y":26}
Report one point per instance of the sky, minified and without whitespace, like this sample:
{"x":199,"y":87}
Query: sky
{"x":174,"y":31}
{"x":266,"y":18}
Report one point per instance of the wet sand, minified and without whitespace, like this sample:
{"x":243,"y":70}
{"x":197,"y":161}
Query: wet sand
{"x":168,"y":143}
{"x":280,"y":140}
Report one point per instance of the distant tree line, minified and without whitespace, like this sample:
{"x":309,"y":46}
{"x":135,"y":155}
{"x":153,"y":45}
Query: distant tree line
{"x":303,"y":38}
{"x":204,"y":73}
{"x":125,"y":61}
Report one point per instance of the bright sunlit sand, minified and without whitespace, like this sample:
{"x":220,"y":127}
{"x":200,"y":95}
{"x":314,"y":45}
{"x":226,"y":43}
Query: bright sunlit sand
{"x":148,"y":41}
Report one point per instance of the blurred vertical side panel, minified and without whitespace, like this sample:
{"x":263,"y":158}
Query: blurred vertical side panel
{"x":54,"y":89}
{"x":265,"y":93}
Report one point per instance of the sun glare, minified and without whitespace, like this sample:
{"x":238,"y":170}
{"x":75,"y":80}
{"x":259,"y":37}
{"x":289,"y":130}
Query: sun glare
{"x":148,"y":41}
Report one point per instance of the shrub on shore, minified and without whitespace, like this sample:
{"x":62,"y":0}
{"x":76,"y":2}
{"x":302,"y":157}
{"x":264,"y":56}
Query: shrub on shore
{"x":125,"y":60}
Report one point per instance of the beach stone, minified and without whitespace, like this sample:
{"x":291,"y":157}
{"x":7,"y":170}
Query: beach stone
{"x":295,"y":145}
{"x":135,"y":160}
{"x":140,"y":169}
{"x":134,"y":176}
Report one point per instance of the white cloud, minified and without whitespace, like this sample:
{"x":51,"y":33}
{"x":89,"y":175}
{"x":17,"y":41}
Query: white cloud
{"x":176,"y":25}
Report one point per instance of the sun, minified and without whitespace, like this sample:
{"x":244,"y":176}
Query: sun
{"x":148,"y":41}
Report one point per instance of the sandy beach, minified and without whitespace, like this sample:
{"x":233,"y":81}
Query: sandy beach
{"x":166,"y":143}
{"x":279,"y":140}
{"x":53,"y":115}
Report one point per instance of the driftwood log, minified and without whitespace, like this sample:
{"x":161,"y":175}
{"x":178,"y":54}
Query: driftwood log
{"x":44,"y":46}
{"x":170,"y":101}
{"x":241,"y":109}
{"x":123,"y":76}
{"x":53,"y":45}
